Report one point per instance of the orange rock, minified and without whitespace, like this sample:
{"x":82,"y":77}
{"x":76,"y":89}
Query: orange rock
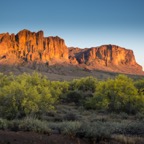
{"x":33,"y":46}
{"x":107,"y":57}
{"x":30,"y":47}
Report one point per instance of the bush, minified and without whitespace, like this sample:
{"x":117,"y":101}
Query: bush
{"x":117,"y":95}
{"x":67,"y":127}
{"x":97,"y":130}
{"x":71,"y":117}
{"x":128,"y":128}
{"x":13,"y":125}
{"x":139,"y":116}
{"x":29,"y":124}
{"x":26,"y":95}
{"x":73,"y":96}
{"x":84,"y":84}
{"x":71,"y":128}
{"x":124,"y":115}
{"x":32,"y":124}
{"x":3,"y":124}
{"x":135,"y":128}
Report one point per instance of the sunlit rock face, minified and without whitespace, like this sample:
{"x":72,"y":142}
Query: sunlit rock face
{"x":31,"y":46}
{"x":107,"y":57}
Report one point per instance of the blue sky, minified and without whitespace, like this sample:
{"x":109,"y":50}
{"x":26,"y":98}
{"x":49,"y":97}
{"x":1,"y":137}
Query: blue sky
{"x":82,"y":23}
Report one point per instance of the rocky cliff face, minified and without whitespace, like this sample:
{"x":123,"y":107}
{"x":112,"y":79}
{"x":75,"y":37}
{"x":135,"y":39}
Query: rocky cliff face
{"x":27,"y":46}
{"x":31,"y":46}
{"x":106,"y":57}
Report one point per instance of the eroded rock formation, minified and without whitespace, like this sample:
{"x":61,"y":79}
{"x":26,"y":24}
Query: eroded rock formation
{"x":27,"y":46}
{"x":107,"y":57}
{"x":31,"y":46}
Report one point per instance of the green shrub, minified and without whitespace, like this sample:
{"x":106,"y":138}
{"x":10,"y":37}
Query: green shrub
{"x":67,"y":127}
{"x":117,"y":95}
{"x":135,"y":128}
{"x":3,"y":124}
{"x":139,"y":116}
{"x":95,"y":131}
{"x":123,"y":115}
{"x":73,"y":96}
{"x":13,"y":125}
{"x":55,"y":126}
{"x":84,"y":84}
{"x":70,"y":117}
{"x":128,"y":128}
{"x":26,"y":95}
{"x":31,"y":124}
{"x":70,"y":128}
{"x":139,"y":84}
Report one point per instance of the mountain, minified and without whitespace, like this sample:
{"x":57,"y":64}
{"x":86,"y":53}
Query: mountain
{"x":32,"y":47}
{"x":106,"y":57}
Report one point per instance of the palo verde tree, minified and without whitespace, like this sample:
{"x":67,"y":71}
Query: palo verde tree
{"x":117,"y":95}
{"x":139,"y":84}
{"x":24,"y":95}
{"x":84,"y":84}
{"x":80,"y":90}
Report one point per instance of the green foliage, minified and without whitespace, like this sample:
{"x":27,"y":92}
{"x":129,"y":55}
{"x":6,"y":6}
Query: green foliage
{"x":73,"y":96}
{"x":3,"y":124}
{"x":58,"y":89}
{"x":70,"y":128}
{"x":32,"y":124}
{"x":26,"y":124}
{"x":128,"y":128}
{"x":96,"y":131}
{"x":70,"y":117}
{"x":139,"y":116}
{"x":134,"y":128}
{"x":80,"y":90}
{"x":5,"y":80}
{"x":139,"y":84}
{"x":84,"y":84}
{"x":25,"y":95}
{"x":117,"y":95}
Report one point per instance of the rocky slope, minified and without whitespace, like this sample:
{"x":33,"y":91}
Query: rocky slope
{"x":30,"y":47}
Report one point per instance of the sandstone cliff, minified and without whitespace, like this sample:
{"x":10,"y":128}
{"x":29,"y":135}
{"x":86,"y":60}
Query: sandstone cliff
{"x":29,"y":47}
{"x":106,"y":57}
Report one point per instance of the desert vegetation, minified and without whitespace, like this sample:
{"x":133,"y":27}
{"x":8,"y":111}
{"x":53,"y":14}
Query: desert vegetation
{"x":87,"y":108}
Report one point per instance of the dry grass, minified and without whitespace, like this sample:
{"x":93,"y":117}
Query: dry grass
{"x":60,"y":72}
{"x":56,"y":72}
{"x":128,"y":140}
